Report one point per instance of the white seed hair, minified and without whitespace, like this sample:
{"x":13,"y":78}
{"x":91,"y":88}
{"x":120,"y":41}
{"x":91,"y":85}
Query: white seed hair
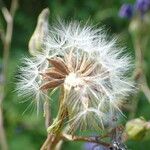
{"x":113,"y":84}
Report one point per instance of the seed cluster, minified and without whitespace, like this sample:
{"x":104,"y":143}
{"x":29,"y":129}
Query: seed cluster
{"x":61,"y":68}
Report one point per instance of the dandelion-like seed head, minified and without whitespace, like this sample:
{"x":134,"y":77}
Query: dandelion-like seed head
{"x":90,"y":69}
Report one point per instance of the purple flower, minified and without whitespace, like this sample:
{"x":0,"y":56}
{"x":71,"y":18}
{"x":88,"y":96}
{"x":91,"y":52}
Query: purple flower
{"x":126,"y":11}
{"x":93,"y":146}
{"x":142,"y":5}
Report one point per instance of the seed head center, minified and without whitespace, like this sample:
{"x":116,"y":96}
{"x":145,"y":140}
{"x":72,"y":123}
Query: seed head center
{"x":73,"y":80}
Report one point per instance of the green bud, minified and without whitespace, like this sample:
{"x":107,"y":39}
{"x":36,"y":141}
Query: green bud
{"x":36,"y":41}
{"x":136,"y":129}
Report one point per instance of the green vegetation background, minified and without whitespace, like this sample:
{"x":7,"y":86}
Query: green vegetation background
{"x":25,"y":131}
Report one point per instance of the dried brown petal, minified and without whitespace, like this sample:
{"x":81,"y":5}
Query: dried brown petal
{"x":55,"y":74}
{"x":52,"y":84}
{"x":59,"y":65}
{"x":47,"y":78}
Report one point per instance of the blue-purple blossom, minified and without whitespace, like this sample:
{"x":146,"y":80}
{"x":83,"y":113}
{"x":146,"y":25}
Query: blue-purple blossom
{"x":93,"y":146}
{"x":126,"y":11}
{"x":142,"y":5}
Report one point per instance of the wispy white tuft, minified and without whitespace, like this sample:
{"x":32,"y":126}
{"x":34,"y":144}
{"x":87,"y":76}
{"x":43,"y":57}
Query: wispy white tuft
{"x":91,"y":98}
{"x":29,"y":79}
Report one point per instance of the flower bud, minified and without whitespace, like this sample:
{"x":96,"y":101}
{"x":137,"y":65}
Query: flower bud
{"x":136,"y":129}
{"x":36,"y":41}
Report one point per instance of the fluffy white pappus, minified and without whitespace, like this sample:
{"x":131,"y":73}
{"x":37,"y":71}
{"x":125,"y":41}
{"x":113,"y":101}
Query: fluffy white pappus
{"x":96,"y":88}
{"x":63,"y":36}
{"x":90,"y":118}
{"x":101,"y":97}
{"x":113,"y":84}
{"x":29,"y":79}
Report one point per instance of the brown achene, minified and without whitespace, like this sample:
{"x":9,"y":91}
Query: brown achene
{"x":61,"y":68}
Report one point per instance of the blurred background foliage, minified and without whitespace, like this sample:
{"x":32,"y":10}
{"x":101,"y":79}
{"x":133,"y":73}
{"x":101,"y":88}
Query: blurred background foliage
{"x":26,"y":131}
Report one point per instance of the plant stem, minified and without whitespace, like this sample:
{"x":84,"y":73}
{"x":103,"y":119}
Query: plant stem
{"x":6,"y":39}
{"x":83,"y":139}
{"x":139,"y":75}
{"x":56,"y":134}
{"x":55,"y":128}
{"x":47,"y":115}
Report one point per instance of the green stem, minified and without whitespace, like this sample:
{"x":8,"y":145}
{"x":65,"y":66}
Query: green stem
{"x":56,"y":128}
